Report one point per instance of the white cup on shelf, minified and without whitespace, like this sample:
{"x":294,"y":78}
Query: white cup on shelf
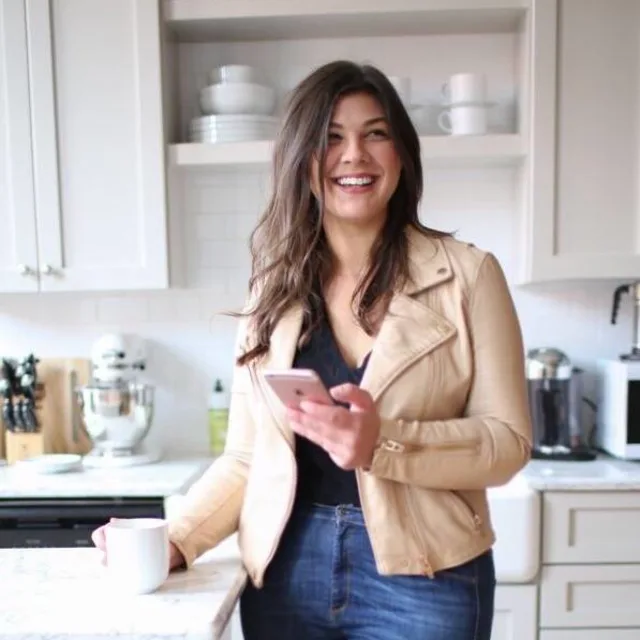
{"x":464,"y":120}
{"x":467,"y":88}
{"x":137,"y":552}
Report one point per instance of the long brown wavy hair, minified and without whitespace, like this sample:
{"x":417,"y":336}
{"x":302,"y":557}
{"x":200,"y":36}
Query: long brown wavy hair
{"x":291,"y":261}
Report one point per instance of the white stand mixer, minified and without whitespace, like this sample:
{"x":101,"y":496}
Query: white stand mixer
{"x":116,"y":406}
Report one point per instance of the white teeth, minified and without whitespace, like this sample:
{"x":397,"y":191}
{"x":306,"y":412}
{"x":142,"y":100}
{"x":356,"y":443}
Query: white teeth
{"x":359,"y":181}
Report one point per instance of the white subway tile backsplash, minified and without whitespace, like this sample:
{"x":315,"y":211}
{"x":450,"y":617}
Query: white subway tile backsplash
{"x":222,"y":253}
{"x":121,"y":310}
{"x":174,"y":306}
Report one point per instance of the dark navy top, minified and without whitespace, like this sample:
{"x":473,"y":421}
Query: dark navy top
{"x":320,"y":480}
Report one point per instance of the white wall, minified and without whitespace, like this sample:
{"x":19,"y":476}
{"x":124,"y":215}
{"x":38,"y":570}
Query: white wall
{"x":190,"y":345}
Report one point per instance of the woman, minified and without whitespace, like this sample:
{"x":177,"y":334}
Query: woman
{"x":368,"y":519}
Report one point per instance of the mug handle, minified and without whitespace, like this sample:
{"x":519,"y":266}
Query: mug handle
{"x":444,"y":121}
{"x":445,"y":91}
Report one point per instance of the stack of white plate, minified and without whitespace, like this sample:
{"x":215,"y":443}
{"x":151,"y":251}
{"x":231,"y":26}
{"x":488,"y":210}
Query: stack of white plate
{"x":232,"y":128}
{"x":237,"y":107}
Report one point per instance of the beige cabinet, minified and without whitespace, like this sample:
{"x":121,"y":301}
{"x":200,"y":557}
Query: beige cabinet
{"x":590,"y":579}
{"x":83,"y":168}
{"x":588,"y":528}
{"x":586,"y":223}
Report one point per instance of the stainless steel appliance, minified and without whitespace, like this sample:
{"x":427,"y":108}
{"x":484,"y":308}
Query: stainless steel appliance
{"x":556,"y":403}
{"x":117,"y":407}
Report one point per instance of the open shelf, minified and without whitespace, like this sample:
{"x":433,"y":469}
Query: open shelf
{"x":238,"y":20}
{"x":484,"y":150}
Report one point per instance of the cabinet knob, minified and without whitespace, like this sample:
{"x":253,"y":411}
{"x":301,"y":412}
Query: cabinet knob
{"x":25,"y":270}
{"x":47,"y":270}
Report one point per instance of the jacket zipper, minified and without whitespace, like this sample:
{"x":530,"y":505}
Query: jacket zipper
{"x":413,"y":518}
{"x":412,"y":447}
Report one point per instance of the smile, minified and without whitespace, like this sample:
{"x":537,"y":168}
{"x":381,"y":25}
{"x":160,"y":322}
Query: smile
{"x":355,"y":181}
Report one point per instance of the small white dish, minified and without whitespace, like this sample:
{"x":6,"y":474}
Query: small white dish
{"x":52,"y":463}
{"x":243,"y":98}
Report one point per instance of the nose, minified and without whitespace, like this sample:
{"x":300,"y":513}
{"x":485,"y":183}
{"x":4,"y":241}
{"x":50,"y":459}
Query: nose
{"x":354,"y":150}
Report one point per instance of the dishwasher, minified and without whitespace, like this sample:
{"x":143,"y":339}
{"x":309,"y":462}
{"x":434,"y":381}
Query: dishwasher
{"x":66,"y":522}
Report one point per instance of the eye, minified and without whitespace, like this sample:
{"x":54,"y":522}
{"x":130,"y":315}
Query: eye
{"x":333,"y":137}
{"x":378,"y":134}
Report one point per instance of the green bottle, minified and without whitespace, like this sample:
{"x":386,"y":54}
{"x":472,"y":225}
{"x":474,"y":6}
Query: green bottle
{"x":218,"y":418}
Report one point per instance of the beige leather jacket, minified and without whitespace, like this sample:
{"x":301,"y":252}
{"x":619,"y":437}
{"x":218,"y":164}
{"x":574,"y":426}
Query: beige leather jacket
{"x":447,"y":375}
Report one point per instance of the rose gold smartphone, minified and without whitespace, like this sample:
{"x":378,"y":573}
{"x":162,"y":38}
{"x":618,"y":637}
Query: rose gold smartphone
{"x":294,"y":385}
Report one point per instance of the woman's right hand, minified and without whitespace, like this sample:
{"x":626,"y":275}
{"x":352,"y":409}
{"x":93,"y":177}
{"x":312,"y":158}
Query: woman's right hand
{"x":176,"y":559}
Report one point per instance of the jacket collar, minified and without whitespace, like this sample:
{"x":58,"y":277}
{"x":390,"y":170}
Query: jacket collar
{"x":409,"y":331}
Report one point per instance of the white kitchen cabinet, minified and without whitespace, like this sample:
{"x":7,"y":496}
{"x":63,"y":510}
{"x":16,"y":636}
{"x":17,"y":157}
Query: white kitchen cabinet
{"x":584,"y":528}
{"x":596,"y":595}
{"x":96,"y":144}
{"x":586,"y":220}
{"x":17,"y":212}
{"x":515,"y":612}
{"x":590,"y":579}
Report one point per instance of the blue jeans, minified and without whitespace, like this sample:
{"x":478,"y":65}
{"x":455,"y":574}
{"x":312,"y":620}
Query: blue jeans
{"x":323,"y":584}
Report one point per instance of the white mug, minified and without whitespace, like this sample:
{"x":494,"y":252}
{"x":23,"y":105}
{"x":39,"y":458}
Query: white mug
{"x":137,"y":554}
{"x":464,"y":120}
{"x":465,"y":88}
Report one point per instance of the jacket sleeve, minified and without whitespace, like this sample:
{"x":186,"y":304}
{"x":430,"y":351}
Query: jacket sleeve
{"x":212,"y":504}
{"x":491,"y":442}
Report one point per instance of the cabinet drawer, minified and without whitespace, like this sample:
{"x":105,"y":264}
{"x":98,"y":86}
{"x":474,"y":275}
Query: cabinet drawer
{"x":591,"y":634}
{"x":585,"y":528}
{"x":590,"y":596}
{"x":515,"y":612}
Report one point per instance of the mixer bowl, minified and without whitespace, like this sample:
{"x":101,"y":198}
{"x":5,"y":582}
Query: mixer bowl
{"x":117,"y":417}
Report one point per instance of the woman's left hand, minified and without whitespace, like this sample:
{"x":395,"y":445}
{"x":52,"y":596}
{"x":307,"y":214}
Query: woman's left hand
{"x":349,"y":436}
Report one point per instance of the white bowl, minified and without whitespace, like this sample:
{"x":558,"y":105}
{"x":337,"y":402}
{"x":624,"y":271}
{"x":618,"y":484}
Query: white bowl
{"x":234,"y":73}
{"x":238,"y":98}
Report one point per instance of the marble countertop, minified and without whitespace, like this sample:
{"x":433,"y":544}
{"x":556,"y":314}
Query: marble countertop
{"x":602,"y":474}
{"x":64,"y":594}
{"x":159,"y":479}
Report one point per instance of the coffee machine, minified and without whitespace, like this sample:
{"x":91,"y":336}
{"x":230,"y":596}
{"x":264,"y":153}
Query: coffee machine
{"x":556,"y":403}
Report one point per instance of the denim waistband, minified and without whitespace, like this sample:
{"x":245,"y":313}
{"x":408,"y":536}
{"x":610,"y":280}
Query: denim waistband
{"x":339,"y":513}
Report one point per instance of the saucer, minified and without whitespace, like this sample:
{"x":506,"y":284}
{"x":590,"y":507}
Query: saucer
{"x":52,"y":463}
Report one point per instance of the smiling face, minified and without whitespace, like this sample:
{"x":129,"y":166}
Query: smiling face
{"x":362,"y":167}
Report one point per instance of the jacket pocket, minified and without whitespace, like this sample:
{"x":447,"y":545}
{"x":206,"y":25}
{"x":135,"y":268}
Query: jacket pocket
{"x":464,"y":509}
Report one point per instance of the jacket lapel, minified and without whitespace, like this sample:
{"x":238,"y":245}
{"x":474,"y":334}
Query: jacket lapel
{"x":284,"y":341}
{"x":410,"y":330}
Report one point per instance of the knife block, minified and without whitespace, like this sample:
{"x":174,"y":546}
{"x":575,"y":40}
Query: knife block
{"x":61,"y":426}
{"x":19,"y":446}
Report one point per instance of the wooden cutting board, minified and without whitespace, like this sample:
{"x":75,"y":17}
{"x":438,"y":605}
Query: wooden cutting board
{"x":58,"y":411}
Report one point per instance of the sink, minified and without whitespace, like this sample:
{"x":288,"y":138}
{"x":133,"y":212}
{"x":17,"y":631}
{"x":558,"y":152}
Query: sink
{"x":516,"y":518}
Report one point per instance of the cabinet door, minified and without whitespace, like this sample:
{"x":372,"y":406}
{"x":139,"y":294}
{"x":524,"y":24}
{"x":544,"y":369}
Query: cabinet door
{"x":591,"y":527}
{"x":98,"y":146}
{"x":592,"y":228}
{"x":18,"y":256}
{"x":515,"y":613}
